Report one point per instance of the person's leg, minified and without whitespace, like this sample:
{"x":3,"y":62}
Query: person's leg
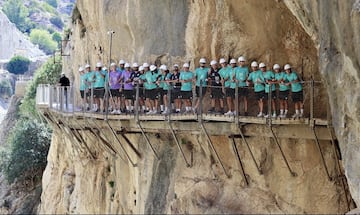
{"x":261,"y":105}
{"x":273,"y":107}
{"x":245,"y":105}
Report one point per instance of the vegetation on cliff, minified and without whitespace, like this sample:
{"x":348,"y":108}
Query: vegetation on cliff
{"x":24,"y":156}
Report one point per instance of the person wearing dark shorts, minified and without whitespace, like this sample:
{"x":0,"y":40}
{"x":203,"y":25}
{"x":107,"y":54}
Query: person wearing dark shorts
{"x":283,"y":90}
{"x":115,"y":86}
{"x":175,"y":93}
{"x":257,"y":79}
{"x":292,"y":79}
{"x":230,"y":91}
{"x":83,"y":88}
{"x":150,"y":78}
{"x":242,"y":73}
{"x":186,"y":77}
{"x":269,"y":77}
{"x":126,"y":78}
{"x":200,"y":77}
{"x":214,"y":79}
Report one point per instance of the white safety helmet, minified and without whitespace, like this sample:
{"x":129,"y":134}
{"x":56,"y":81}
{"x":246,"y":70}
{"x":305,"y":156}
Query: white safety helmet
{"x":287,"y":66}
{"x":99,"y":64}
{"x":163,"y":67}
{"x":152,"y":68}
{"x":213,"y":62}
{"x":202,"y":60}
{"x":145,"y":65}
{"x":127,"y":65}
{"x":276,"y":66}
{"x":222,"y":60}
{"x":81,"y":69}
{"x":176,"y":66}
{"x":254,"y":64}
{"x":87,"y":66}
{"x":241,"y":59}
{"x":232,"y":61}
{"x":113,"y":64}
{"x":186,"y":65}
{"x":121,"y":62}
{"x":62,"y":73}
{"x":104,"y":68}
{"x":141,"y":68}
{"x":261,"y":65}
{"x":135,"y":65}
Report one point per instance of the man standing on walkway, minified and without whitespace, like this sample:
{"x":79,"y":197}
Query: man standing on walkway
{"x":201,"y":75}
{"x":64,"y":83}
{"x":242,"y":73}
{"x":257,"y":79}
{"x":296,"y":90}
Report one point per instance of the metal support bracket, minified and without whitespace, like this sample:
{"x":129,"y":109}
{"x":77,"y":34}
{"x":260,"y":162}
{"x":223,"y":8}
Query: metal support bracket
{"x":213,"y":149}
{"x":321,"y":153}
{"x":148,"y":141}
{"x":178,"y":144}
{"x":236,"y":151}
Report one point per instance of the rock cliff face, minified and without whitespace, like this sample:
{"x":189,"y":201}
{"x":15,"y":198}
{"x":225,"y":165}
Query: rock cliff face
{"x":335,"y":28}
{"x":13,"y":42}
{"x":301,"y":33}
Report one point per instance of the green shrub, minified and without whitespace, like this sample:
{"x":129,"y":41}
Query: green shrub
{"x":43,"y":39}
{"x":28,"y":143}
{"x":48,"y":8}
{"x":18,"y":65}
{"x":57,"y":22}
{"x":56,"y":36}
{"x":18,"y":14}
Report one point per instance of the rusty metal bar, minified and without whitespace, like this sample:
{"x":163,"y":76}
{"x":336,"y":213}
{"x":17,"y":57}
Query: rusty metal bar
{"x":240,"y":162}
{"x":252,"y":155}
{"x":213,"y":149}
{"x":282,"y":152}
{"x":178,"y":145}
{"x":321,"y":154}
{"x":148,"y":141}
{"x":122,"y":147}
{"x":131,"y":145}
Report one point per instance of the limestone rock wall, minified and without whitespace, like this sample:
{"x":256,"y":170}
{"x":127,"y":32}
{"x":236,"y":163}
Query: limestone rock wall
{"x":110,"y":184}
{"x":301,"y":33}
{"x":336,"y":29}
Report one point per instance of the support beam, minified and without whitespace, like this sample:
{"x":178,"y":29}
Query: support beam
{"x":148,"y":141}
{"x":178,"y":145}
{"x":240,"y":162}
{"x":213,"y":149}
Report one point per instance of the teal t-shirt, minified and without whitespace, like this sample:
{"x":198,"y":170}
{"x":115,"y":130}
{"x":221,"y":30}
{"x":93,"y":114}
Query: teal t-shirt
{"x":186,"y":76}
{"x":150,"y":80}
{"x":201,"y":74}
{"x":90,"y":77}
{"x":100,"y":78}
{"x":163,"y":84}
{"x":281,"y":76}
{"x":224,"y":74}
{"x":295,"y":86}
{"x":83,"y":79}
{"x":269,"y":75}
{"x":232,"y":75}
{"x":242,"y":74}
{"x":258,"y":79}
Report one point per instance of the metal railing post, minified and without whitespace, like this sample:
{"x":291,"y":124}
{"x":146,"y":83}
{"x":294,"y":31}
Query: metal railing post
{"x":169,"y":102}
{"x":137,"y":93}
{"x":237,"y":111}
{"x":311,"y":100}
{"x":201,"y":101}
{"x":51,"y":95}
{"x":91,"y":97}
{"x":269,"y":104}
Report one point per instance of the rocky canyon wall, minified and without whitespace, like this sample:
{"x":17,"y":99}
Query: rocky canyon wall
{"x":177,"y":31}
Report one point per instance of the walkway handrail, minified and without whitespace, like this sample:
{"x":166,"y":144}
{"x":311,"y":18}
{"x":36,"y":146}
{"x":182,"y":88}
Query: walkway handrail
{"x":67,"y":99}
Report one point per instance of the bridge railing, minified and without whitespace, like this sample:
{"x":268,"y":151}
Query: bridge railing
{"x":68,"y":99}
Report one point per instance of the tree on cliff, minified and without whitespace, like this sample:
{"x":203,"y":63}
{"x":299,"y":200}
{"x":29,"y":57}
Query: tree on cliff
{"x":18,"y":14}
{"x":44,"y":39}
{"x":18,"y":65}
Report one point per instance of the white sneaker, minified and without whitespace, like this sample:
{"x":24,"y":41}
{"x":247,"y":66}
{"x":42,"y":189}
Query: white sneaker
{"x":164,"y":112}
{"x":154,"y":112}
{"x":266,"y":116}
{"x":260,"y":114}
{"x":301,"y":115}
{"x":114,"y":111}
{"x":295,"y":116}
{"x":229,"y":113}
{"x":274,"y":115}
{"x":118,"y":112}
{"x":149,"y":112}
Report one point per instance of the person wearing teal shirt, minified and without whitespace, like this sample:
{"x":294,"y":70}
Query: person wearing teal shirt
{"x":201,"y":77}
{"x":257,"y":79}
{"x":83,"y":88}
{"x":224,"y":74}
{"x":269,"y":77}
{"x":186,"y":77}
{"x":283,"y":90}
{"x":150,"y":78}
{"x":98,"y":78}
{"x":230,"y":90}
{"x":291,"y":78}
{"x":242,"y":73}
{"x":165,"y":86}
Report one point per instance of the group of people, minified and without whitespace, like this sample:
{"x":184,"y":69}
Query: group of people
{"x":118,"y":84}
